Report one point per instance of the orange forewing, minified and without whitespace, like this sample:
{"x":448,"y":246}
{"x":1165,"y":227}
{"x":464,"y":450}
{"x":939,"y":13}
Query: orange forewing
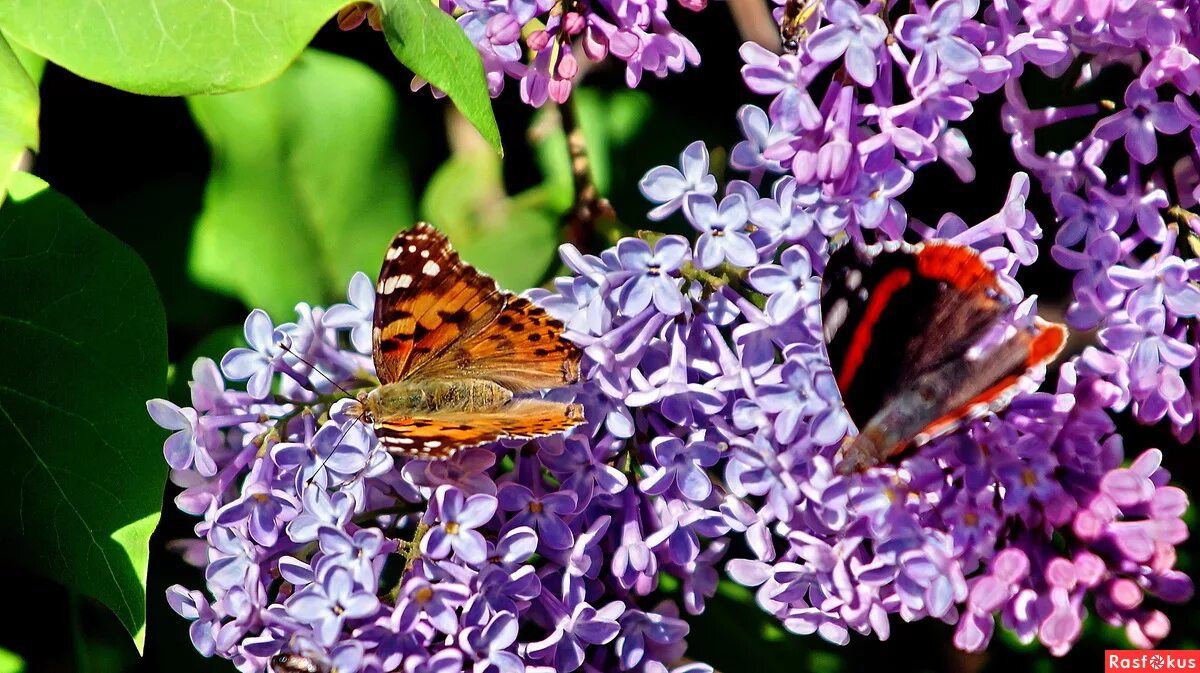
{"x":522,"y":349}
{"x":427,"y":298}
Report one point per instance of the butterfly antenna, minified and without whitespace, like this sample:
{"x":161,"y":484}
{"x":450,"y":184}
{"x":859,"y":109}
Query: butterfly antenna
{"x":345,"y":431}
{"x":314,"y":368}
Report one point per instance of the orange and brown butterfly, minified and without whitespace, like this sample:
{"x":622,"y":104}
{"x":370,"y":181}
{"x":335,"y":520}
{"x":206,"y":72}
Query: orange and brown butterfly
{"x":452,"y":349}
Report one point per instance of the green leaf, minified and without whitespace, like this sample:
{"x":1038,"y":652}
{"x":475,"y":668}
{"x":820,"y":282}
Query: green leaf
{"x":432,"y":45}
{"x":11,"y":662}
{"x":513,"y":240}
{"x":134,"y":538}
{"x":168,"y":47}
{"x":307,"y":185}
{"x":34,"y":65}
{"x":18,"y":114}
{"x":76,"y":301}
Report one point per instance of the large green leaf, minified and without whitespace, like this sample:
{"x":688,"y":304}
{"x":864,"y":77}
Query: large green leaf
{"x":307,"y":185}
{"x":168,"y":47}
{"x":18,"y":114}
{"x":431,"y":44}
{"x":83,"y":348}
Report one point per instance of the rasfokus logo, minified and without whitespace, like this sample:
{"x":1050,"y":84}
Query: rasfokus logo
{"x":1151,"y":661}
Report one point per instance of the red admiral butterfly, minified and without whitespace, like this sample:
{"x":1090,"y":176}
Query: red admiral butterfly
{"x":898,"y":322}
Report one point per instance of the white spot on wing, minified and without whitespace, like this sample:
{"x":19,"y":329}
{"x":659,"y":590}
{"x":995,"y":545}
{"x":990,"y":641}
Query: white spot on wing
{"x":432,"y":444}
{"x":412,"y":248}
{"x":854,"y":279}
{"x":431,"y":268}
{"x":393,"y":253}
{"x":403,"y":280}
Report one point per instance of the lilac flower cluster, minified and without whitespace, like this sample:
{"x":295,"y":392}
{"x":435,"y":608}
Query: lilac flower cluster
{"x":853,"y":114}
{"x":1121,"y":198}
{"x":539,"y":42}
{"x":712,"y":413}
{"x":889,"y":108}
{"x":318,"y":544}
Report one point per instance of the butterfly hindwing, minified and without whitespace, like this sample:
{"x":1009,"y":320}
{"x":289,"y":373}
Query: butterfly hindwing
{"x":522,"y":349}
{"x":879,"y":305}
{"x":441,"y":435}
{"x":899,"y":322}
{"x":996,"y":378}
{"x":427,"y":298}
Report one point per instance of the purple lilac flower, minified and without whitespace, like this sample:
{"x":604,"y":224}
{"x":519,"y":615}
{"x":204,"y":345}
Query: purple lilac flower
{"x":326,"y":605}
{"x":712,"y":411}
{"x":650,"y":271}
{"x":723,"y":234}
{"x":262,"y":509}
{"x":852,"y":32}
{"x":669,"y":186}
{"x":182,"y":449}
{"x":458,"y":518}
{"x":1141,"y":122}
{"x":355,"y":316}
{"x":257,"y":363}
{"x":542,"y":514}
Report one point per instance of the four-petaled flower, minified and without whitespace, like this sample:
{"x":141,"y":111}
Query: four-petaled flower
{"x":325,"y":605}
{"x":458,"y":517}
{"x":669,"y":186}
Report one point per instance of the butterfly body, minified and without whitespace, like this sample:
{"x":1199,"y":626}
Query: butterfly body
{"x":293,"y":662}
{"x":454,"y":353}
{"x":900,"y":326}
{"x":411,"y":398}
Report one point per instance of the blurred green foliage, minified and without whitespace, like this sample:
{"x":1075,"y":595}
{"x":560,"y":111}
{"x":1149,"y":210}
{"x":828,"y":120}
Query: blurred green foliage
{"x":11,"y":662}
{"x":308,"y":184}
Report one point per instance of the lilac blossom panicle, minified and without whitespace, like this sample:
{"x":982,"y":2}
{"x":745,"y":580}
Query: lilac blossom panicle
{"x":712,"y":414}
{"x":503,"y":564}
{"x":538,"y":43}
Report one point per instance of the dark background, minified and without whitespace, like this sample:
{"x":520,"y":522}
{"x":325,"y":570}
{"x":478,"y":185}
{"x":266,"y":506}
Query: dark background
{"x":137,"y":166}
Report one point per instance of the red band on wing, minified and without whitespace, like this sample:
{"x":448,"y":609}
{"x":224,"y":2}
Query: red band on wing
{"x":1047,"y":344}
{"x":957,"y":265}
{"x":1043,"y":348}
{"x":880,"y":297}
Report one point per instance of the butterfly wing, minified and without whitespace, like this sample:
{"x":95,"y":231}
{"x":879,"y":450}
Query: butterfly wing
{"x":940,"y":400}
{"x":898,"y":324}
{"x":440,"y":435}
{"x":995,"y":379}
{"x":891,"y":315}
{"x":427,"y":298}
{"x":522,"y":349}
